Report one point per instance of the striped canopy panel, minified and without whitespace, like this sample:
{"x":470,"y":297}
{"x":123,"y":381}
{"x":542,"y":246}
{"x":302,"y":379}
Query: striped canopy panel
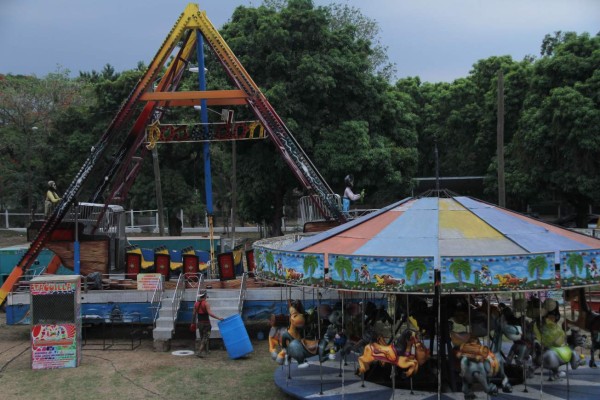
{"x":439,"y":227}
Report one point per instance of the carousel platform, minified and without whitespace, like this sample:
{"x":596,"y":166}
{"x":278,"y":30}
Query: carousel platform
{"x":328,"y":382}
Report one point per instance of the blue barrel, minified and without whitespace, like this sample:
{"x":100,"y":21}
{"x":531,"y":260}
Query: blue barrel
{"x":235,"y":337}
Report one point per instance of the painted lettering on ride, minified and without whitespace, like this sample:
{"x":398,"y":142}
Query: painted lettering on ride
{"x":43,"y":288}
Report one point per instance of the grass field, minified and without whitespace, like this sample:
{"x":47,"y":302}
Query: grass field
{"x":138,"y":374}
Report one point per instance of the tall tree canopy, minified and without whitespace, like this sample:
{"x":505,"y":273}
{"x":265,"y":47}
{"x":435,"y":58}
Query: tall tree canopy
{"x":325,"y":72}
{"x":556,"y":150}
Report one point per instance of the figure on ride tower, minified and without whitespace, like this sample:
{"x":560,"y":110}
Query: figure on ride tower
{"x":349,"y":194}
{"x":52,"y":198}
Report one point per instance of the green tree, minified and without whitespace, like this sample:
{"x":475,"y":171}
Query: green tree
{"x":415,"y":268}
{"x":310,"y":265}
{"x":320,"y":75}
{"x":29,"y":110}
{"x":556,"y":151}
{"x":270,"y":260}
{"x":460,"y":267}
{"x":343,"y":267}
{"x":575,"y":263}
{"x":537,"y":266}
{"x":259,"y":260}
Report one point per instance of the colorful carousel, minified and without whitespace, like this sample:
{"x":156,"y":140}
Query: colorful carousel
{"x":443,"y":295}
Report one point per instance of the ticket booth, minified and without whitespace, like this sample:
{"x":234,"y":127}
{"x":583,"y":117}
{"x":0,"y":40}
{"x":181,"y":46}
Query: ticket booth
{"x":55,"y":321}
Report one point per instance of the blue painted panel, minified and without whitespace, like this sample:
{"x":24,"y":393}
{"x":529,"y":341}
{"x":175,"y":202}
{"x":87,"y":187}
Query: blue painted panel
{"x":400,"y":238}
{"x":531,"y":237}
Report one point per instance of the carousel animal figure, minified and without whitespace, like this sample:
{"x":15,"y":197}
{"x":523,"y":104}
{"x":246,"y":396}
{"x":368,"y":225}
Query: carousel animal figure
{"x":557,"y":348}
{"x":279,"y":337}
{"x":406,"y":352}
{"x":587,"y":320}
{"x":374,"y":313}
{"x":335,"y":338}
{"x":554,"y":357}
{"x":479,"y":363}
{"x":293,"y":344}
{"x":524,"y":350}
{"x":302,"y":349}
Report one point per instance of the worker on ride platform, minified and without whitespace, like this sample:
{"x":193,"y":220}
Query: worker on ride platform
{"x":349,"y":194}
{"x":52,"y":198}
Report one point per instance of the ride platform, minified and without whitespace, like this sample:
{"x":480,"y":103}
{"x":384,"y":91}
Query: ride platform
{"x":330,"y":382}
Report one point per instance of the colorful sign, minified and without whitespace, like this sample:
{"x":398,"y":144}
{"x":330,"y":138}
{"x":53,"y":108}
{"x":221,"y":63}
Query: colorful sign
{"x":49,"y":287}
{"x":390,"y":274}
{"x":498,"y":273}
{"x":54,"y":346}
{"x":149,"y":281}
{"x":289,"y":266}
{"x":579,"y":267}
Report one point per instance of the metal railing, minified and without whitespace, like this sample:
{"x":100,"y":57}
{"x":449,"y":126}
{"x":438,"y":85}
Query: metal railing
{"x":156,"y":300}
{"x":242,"y":298}
{"x":176,"y":302}
{"x":200,"y":284}
{"x":309,"y":211}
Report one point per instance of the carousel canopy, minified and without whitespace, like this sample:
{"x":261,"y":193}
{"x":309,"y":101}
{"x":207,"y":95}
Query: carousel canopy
{"x":445,"y":227}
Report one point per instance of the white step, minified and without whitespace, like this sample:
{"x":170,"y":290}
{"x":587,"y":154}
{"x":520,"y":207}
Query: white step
{"x":162,"y":333}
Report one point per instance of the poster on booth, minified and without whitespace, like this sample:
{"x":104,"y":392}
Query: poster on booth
{"x":579,"y":267}
{"x":380,"y":273}
{"x":54,"y":346}
{"x":290,"y":267}
{"x":148,"y":281}
{"x":498,"y":273}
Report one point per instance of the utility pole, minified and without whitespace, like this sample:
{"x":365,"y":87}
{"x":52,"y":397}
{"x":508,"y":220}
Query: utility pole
{"x":500,"y":141}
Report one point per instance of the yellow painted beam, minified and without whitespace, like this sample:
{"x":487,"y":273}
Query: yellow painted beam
{"x":194,"y":95}
{"x":211,"y":102}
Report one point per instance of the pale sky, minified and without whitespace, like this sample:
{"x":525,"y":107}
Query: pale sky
{"x":438,"y":40}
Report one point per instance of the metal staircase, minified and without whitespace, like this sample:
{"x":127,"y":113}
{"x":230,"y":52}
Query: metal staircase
{"x":225,"y":303}
{"x":164,"y":325}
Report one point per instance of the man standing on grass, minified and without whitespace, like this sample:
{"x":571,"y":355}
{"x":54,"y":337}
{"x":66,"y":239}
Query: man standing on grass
{"x":202,"y":313}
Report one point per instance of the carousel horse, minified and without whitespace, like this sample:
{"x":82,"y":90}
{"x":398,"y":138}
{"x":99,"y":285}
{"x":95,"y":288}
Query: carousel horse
{"x":587,"y":320}
{"x":478,"y":362}
{"x":300,"y":349}
{"x":406,"y":352}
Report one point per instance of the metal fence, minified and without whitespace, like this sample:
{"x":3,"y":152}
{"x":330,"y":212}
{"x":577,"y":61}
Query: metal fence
{"x":140,"y":221}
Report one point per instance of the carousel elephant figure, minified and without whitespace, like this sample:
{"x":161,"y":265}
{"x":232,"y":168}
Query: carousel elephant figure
{"x":555,"y":357}
{"x":479,"y":363}
{"x":302,"y":349}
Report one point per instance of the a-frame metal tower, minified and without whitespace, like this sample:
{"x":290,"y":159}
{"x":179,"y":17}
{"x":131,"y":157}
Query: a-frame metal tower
{"x":145,"y":106}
